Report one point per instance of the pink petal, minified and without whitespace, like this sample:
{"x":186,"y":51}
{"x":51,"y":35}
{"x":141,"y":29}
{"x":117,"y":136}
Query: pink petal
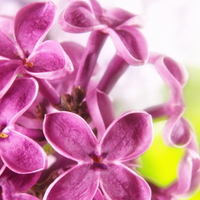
{"x":177,"y":70}
{"x":98,"y":195}
{"x":78,"y":18}
{"x":70,"y":135}
{"x":21,"y":154}
{"x":75,"y":52}
{"x":130,"y":44}
{"x":172,"y":73}
{"x":117,"y":16}
{"x":9,"y":70}
{"x":120,"y":183}
{"x":49,"y":61}
{"x":188,"y":175}
{"x":106,"y":108}
{"x":6,"y":24}
{"x":35,"y":134}
{"x":100,"y":109}
{"x":80,"y":183}
{"x":17,"y":100}
{"x":8,"y":47}
{"x":32,"y":23}
{"x":95,"y":113}
{"x":160,"y":193}
{"x":24,"y":197}
{"x":21,"y":182}
{"x":97,"y":9}
{"x":129,"y":136}
{"x":177,"y":130}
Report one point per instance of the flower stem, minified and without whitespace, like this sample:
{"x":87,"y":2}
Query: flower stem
{"x":116,"y":68}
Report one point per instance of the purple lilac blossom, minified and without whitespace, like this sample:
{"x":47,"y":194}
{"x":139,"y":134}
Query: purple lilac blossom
{"x":121,"y":25}
{"x":176,"y":131}
{"x":91,"y":153}
{"x":27,"y":54}
{"x":13,"y":186}
{"x":17,"y":150}
{"x":99,"y":164}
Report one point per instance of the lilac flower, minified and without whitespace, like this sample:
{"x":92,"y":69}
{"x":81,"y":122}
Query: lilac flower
{"x":28,"y":55}
{"x":121,"y":25}
{"x":13,"y":185}
{"x":100,"y":164}
{"x":19,"y":153}
{"x":177,"y":130}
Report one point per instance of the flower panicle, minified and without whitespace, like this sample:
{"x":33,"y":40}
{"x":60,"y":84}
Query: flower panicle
{"x":60,"y":137}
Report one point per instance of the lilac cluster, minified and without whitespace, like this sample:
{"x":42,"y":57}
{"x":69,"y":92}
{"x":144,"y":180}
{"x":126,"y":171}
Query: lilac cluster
{"x":52,"y":110}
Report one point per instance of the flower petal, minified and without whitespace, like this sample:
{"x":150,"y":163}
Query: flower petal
{"x":21,"y":154}
{"x":24,"y":197}
{"x":20,"y":182}
{"x":120,"y":183}
{"x":160,"y":193}
{"x":117,"y":16}
{"x":188,"y":175}
{"x":97,"y":9}
{"x":98,"y":196}
{"x":128,"y":136}
{"x":78,"y":18}
{"x":7,"y":24}
{"x":80,"y":183}
{"x":17,"y":100}
{"x":7,"y":47}
{"x":130,"y":44}
{"x":32,"y":23}
{"x":35,"y":134}
{"x":172,"y":73}
{"x":177,"y":131}
{"x":69,"y":135}
{"x":100,"y":109}
{"x":8,"y":72}
{"x":49,"y":61}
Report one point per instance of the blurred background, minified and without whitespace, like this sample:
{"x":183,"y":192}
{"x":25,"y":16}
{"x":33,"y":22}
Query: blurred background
{"x":171,"y":28}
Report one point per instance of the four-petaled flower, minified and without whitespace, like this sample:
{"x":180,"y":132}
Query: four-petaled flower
{"x":100,"y":164}
{"x":28,"y":54}
{"x":18,"y":152}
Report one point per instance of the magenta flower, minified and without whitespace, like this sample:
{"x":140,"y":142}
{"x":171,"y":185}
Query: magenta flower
{"x":100,"y":164}
{"x":28,"y":54}
{"x":177,"y":130}
{"x":13,"y":185}
{"x":121,"y":25}
{"x":18,"y":152}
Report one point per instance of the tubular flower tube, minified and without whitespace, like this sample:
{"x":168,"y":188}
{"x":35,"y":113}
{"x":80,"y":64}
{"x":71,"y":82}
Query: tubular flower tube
{"x":99,"y":164}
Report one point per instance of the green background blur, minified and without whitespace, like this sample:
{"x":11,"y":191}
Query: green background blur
{"x":161,"y":162}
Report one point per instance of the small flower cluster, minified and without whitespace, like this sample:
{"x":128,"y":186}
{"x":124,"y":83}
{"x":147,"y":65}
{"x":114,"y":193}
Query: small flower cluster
{"x":52,"y":109}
